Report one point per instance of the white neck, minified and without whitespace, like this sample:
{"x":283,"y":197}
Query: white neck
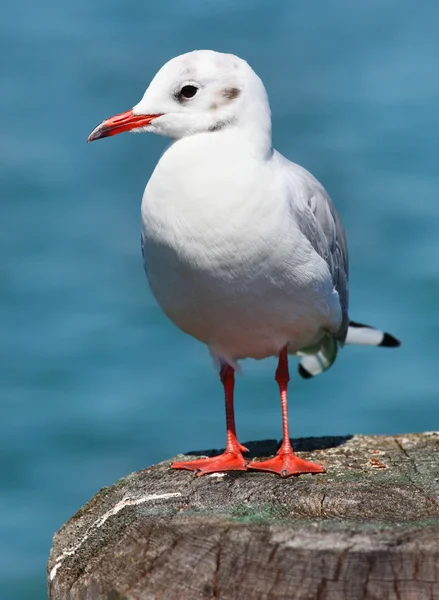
{"x":255,"y":125}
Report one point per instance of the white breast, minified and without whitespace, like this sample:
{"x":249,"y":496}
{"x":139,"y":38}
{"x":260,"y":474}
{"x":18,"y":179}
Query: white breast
{"x":223,"y":256}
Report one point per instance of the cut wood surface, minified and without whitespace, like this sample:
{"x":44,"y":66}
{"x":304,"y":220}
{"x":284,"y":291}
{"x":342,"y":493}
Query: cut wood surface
{"x":368,"y":529}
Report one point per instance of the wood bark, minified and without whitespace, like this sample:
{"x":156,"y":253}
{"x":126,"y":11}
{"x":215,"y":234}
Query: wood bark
{"x":368,"y":529}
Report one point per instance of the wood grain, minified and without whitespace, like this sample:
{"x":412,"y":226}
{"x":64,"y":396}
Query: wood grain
{"x":368,"y":529}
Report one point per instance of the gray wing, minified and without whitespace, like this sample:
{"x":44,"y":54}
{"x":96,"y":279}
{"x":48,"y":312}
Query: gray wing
{"x":318,"y":220}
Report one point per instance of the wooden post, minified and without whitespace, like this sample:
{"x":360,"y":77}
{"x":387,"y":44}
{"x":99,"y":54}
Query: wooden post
{"x":368,"y":529}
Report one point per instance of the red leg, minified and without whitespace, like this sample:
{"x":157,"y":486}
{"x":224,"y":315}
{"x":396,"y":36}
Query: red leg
{"x":231,"y":459}
{"x":285,"y":463}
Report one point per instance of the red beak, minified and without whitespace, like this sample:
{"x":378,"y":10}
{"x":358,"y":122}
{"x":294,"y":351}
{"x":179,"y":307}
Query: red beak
{"x":119,"y":123}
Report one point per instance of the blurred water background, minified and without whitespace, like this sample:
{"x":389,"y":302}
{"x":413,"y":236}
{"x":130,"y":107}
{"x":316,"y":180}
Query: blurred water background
{"x":95,"y":382}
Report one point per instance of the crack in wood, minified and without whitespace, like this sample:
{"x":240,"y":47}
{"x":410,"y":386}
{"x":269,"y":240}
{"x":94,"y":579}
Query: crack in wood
{"x":415,"y":484}
{"x":216,"y":580}
{"x":341,"y":561}
{"x":370,"y":561}
{"x":395,"y":583}
{"x":321,"y":589}
{"x":322,"y":502}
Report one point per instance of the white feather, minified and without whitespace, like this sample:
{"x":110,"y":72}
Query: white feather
{"x":225,"y":219}
{"x":364,"y":336}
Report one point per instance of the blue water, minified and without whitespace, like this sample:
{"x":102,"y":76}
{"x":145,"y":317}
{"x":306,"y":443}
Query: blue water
{"x":95,"y":382}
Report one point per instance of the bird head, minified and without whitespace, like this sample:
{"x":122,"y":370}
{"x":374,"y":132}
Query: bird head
{"x":198,"y":92}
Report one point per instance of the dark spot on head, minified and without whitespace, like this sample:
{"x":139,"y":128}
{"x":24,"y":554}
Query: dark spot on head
{"x":220,"y":125}
{"x":217,"y":126}
{"x":213,"y":106}
{"x":231,"y":93}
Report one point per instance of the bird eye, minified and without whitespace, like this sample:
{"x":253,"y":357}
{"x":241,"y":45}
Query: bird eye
{"x":188,"y":91}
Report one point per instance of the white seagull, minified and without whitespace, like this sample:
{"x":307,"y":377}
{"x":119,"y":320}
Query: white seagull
{"x":242,"y":248}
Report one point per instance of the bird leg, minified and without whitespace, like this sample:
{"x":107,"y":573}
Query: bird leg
{"x":231,"y":459}
{"x":285,"y":463}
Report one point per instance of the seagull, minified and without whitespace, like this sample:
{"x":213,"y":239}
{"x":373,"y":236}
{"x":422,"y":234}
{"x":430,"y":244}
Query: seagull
{"x":243,"y":249}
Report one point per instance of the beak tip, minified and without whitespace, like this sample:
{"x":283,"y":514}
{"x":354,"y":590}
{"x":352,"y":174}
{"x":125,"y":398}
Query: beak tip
{"x":99,"y":132}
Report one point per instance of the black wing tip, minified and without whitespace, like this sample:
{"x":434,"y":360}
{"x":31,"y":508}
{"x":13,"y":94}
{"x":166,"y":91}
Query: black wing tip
{"x":389,"y":341}
{"x":304,"y":373}
{"x":359,"y":325}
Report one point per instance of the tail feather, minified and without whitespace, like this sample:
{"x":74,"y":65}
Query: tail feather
{"x":313,"y":363}
{"x":364,"y":335}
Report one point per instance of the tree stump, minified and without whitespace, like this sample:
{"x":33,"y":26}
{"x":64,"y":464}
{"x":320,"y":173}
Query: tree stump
{"x":368,"y":529}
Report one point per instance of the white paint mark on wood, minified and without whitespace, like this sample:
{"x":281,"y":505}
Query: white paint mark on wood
{"x":99,"y":522}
